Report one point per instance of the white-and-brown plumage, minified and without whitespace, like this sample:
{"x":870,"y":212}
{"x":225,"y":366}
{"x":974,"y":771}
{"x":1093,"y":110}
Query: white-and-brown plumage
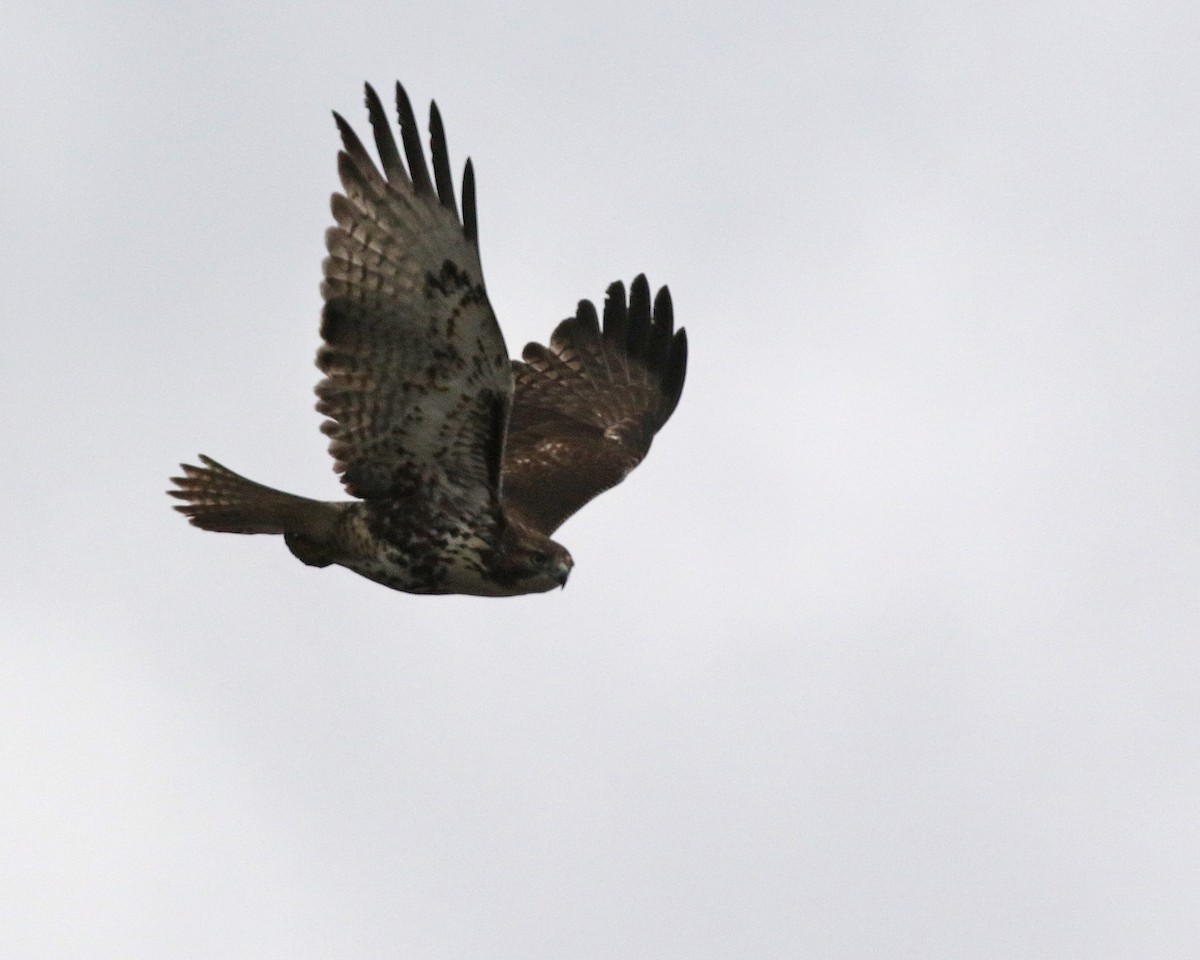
{"x":463,"y":462}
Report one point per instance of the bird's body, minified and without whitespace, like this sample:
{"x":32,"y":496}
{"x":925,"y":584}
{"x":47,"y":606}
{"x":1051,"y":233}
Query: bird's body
{"x":463,"y":462}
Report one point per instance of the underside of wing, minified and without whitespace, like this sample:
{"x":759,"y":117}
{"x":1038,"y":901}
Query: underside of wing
{"x":417,"y":383}
{"x":587,"y":406}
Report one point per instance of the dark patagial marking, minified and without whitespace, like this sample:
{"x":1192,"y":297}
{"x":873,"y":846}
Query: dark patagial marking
{"x":454,"y":286}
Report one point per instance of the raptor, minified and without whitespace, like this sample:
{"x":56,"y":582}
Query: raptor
{"x":462,"y":462}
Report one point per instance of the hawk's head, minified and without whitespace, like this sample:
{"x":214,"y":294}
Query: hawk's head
{"x":526,"y":561}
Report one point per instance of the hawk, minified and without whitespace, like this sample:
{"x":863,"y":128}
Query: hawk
{"x":461,"y":461}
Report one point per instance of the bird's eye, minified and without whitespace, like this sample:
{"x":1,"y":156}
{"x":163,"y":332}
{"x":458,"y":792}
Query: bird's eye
{"x":541,"y":557}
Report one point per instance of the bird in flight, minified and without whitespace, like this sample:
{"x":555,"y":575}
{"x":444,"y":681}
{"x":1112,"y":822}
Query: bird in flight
{"x":463,"y":462}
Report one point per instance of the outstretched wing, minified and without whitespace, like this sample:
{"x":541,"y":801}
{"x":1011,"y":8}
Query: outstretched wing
{"x":417,"y":383}
{"x":587,"y":406}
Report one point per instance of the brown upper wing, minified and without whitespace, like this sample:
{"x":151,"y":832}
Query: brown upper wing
{"x":417,"y":381}
{"x":587,"y":406}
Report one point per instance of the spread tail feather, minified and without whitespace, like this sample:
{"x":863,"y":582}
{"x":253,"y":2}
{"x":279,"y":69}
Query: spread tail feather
{"x":219,"y":499}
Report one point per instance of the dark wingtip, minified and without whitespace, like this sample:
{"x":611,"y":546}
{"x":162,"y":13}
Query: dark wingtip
{"x":616,"y":315}
{"x":638,"y":331}
{"x":664,"y":310}
{"x":350,"y":139}
{"x":587,"y":319}
{"x":411,"y":138}
{"x":470,"y":219}
{"x":676,"y":370}
{"x":385,"y":143}
{"x":659,"y":343}
{"x":581,"y":329}
{"x":441,"y":159}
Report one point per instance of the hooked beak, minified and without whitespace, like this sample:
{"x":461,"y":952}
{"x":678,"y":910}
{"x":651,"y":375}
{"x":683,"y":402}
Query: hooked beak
{"x":564,"y":571}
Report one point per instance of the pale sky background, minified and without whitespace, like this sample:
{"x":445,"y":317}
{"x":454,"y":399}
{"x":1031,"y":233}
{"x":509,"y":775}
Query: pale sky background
{"x":891,"y":648}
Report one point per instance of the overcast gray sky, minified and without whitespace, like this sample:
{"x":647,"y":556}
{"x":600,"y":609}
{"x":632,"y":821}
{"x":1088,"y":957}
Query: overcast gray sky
{"x":890,"y":649}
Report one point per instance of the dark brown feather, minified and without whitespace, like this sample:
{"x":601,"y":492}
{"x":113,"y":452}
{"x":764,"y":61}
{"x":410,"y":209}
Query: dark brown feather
{"x":385,"y":141}
{"x":412,"y":144}
{"x":470,"y":221}
{"x":441,"y":160}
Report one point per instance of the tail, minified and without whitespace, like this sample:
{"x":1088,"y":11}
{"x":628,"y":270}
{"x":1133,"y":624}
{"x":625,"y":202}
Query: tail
{"x":219,"y":499}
